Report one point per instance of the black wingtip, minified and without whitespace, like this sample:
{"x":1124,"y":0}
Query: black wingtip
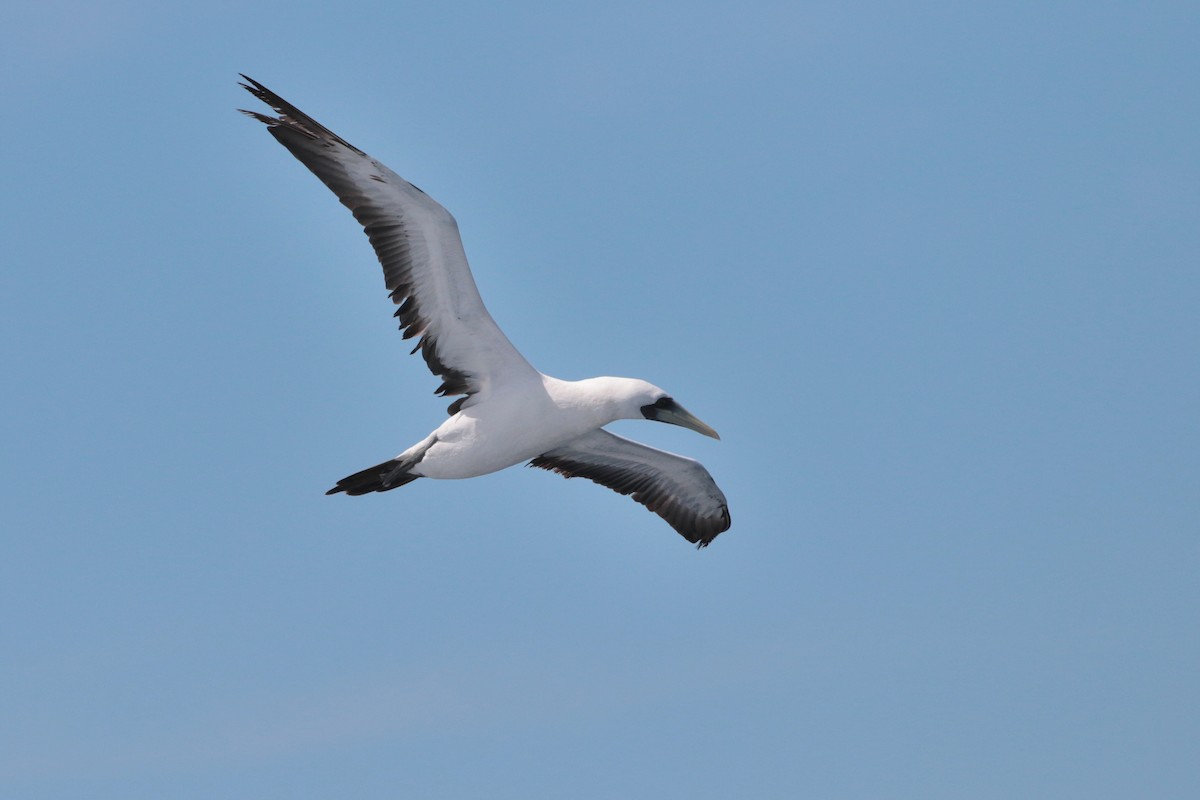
{"x":290,"y":117}
{"x":727,"y":523}
{"x":255,"y":88}
{"x":265,"y":95}
{"x":252,"y":86}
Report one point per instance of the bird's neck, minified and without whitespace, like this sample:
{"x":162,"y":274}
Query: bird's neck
{"x":601,"y":400}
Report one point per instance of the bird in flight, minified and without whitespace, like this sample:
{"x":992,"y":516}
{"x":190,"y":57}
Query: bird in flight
{"x":506,"y":411}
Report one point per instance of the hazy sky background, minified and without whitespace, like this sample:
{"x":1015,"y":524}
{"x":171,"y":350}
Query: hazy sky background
{"x":931,"y":269}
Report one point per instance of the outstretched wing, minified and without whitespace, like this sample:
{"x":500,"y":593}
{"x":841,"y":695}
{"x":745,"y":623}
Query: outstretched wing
{"x":678,"y":489}
{"x":417,"y":241}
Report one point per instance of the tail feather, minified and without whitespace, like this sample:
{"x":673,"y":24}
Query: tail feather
{"x":379,"y":478}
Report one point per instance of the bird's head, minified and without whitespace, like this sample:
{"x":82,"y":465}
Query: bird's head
{"x":665,"y":409}
{"x":642,"y":400}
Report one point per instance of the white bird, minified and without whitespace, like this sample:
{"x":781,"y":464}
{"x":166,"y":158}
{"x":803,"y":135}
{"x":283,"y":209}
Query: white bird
{"x":510,"y":412}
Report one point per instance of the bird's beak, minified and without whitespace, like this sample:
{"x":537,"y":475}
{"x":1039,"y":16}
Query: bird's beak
{"x":676,"y":414}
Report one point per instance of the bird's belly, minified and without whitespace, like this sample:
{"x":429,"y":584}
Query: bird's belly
{"x":473,"y":443}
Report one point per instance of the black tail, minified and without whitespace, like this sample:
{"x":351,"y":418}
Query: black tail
{"x":379,"y":478}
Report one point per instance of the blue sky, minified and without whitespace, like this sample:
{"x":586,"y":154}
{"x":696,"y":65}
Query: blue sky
{"x":931,"y":270}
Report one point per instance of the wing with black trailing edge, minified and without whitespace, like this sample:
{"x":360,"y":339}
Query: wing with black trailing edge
{"x":678,"y":489}
{"x":418,"y":244}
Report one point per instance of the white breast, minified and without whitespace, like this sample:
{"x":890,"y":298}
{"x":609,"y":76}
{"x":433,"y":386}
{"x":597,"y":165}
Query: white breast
{"x":508,"y":428}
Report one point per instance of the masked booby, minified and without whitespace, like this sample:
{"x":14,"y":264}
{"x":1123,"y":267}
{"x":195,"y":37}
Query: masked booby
{"x":508,"y":412}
